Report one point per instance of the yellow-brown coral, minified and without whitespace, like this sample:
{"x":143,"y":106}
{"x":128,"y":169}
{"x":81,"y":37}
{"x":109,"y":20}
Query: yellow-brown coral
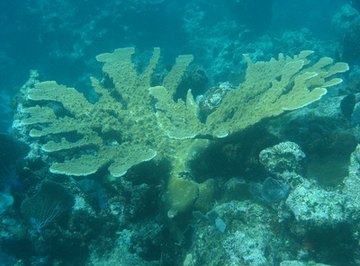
{"x":124,"y":128}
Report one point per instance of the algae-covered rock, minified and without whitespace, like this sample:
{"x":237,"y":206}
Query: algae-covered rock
{"x":283,"y":157}
{"x":248,"y":239}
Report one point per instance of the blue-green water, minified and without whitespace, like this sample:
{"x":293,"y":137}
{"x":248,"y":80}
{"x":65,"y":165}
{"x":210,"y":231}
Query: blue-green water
{"x":282,"y":190}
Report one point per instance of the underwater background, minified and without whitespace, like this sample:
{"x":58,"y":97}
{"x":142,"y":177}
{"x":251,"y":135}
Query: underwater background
{"x":118,"y":163}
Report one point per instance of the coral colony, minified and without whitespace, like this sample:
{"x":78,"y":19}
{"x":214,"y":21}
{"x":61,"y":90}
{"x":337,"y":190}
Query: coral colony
{"x":134,"y":121}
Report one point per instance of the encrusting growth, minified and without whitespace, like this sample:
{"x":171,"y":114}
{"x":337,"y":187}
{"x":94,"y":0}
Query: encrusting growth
{"x":123,"y":127}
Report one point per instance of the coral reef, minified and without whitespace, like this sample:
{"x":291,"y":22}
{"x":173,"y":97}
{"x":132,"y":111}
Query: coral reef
{"x":113,"y":157}
{"x":123,"y":128}
{"x":249,"y":238}
{"x":312,"y":225}
{"x":346,"y":24}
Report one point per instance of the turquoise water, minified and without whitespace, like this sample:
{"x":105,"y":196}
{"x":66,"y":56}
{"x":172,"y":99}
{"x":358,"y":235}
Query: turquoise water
{"x":160,"y":183}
